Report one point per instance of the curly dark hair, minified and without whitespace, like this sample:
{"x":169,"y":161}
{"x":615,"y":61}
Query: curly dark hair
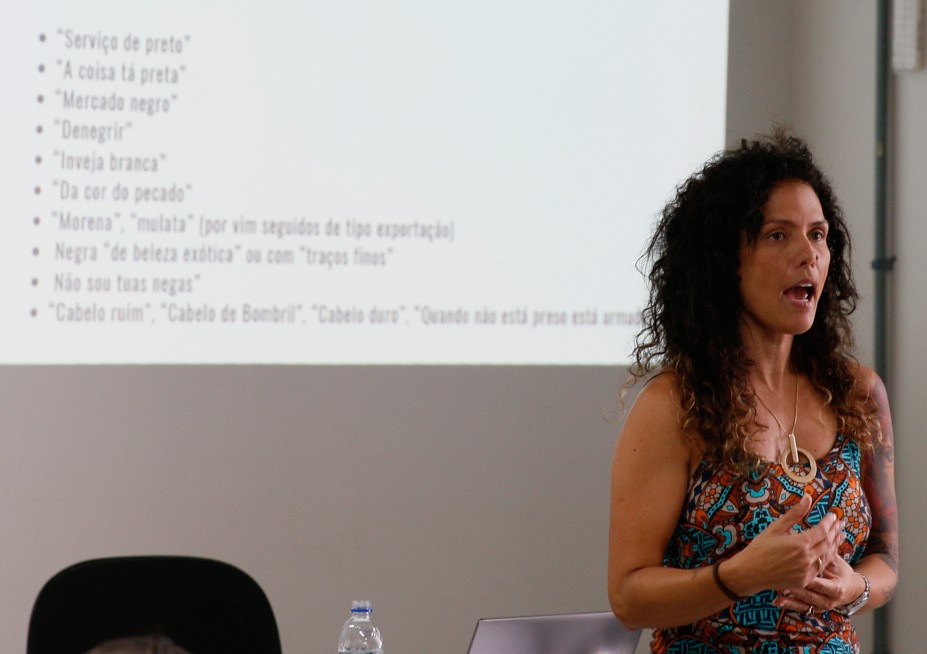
{"x":691,"y":321}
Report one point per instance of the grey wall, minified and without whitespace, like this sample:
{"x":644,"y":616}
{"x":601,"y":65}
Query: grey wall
{"x":442,"y":494}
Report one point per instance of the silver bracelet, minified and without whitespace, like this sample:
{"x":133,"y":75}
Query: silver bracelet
{"x":859,"y":602}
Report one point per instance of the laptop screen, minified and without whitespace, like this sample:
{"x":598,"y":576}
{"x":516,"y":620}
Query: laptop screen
{"x":573,"y":633}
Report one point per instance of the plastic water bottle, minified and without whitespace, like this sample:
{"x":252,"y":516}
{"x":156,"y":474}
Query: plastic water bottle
{"x":360,"y":634}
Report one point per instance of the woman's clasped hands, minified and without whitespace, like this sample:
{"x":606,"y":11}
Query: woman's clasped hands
{"x":805,"y":567}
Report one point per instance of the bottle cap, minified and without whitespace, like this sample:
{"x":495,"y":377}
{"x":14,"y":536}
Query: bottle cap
{"x":361,"y":606}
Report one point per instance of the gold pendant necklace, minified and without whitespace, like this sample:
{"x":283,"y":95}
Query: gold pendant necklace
{"x":793,"y":449}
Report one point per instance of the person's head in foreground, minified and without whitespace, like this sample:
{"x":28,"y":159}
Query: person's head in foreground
{"x":139,"y":645}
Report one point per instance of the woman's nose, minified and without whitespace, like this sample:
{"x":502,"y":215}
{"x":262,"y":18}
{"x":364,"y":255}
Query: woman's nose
{"x":808,"y":254}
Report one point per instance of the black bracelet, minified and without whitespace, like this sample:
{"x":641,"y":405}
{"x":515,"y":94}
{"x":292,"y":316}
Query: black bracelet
{"x":731,"y":595}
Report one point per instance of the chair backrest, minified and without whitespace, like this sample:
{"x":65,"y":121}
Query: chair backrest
{"x":203,"y":605}
{"x":567,"y":633}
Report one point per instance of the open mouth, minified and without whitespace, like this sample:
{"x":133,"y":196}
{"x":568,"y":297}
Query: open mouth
{"x":801,"y":292}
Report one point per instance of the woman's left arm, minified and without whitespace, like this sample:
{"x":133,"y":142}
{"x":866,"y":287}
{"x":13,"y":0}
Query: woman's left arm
{"x":880,"y":560}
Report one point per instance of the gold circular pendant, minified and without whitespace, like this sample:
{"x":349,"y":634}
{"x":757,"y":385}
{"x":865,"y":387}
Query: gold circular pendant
{"x":800,"y":478}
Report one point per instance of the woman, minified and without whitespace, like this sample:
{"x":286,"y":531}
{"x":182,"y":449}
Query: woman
{"x":753,"y":502}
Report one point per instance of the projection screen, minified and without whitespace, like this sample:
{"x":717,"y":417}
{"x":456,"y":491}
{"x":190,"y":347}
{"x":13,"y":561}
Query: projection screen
{"x":392,"y":185}
{"x":360,"y":182}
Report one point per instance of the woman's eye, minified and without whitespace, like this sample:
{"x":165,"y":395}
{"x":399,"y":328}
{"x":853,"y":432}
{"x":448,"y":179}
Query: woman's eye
{"x":775,"y":236}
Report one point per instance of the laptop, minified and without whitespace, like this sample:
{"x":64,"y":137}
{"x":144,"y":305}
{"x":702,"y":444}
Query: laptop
{"x":567,"y":633}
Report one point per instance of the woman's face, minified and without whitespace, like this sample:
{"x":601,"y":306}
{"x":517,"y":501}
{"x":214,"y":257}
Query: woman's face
{"x":782,"y":273}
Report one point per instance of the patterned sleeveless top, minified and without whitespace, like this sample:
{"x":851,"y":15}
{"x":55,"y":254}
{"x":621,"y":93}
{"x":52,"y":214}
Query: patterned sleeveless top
{"x":724,"y":512}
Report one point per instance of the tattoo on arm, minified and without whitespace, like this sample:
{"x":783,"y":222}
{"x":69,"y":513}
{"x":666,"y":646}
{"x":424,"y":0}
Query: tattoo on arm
{"x":879,"y":484}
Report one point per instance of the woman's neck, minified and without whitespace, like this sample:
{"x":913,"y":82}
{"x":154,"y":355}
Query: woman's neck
{"x":770,"y":361}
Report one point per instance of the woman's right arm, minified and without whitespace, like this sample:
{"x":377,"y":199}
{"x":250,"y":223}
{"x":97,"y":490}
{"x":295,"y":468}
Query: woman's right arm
{"x":650,"y":475}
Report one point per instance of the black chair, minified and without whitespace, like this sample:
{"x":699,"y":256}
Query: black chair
{"x":203,"y":605}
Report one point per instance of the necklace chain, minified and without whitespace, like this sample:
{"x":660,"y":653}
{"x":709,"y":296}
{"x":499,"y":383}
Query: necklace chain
{"x":799,"y":477}
{"x":791,"y":434}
